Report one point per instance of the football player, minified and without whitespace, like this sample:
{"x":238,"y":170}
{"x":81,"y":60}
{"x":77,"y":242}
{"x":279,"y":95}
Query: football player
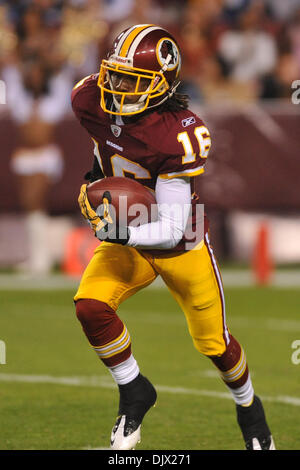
{"x":142,"y":128}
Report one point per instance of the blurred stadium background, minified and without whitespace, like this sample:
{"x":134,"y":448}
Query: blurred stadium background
{"x":241,"y":64}
{"x":241,"y":59}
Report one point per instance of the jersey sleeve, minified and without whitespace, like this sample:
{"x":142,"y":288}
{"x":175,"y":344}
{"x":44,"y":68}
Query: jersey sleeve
{"x":186,"y":147}
{"x":84,"y":96}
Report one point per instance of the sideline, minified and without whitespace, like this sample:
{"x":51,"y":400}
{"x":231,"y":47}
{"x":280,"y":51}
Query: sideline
{"x":231,"y":278}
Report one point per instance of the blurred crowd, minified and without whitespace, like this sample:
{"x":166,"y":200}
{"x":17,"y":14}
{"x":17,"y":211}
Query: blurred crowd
{"x":236,"y":50}
{"x":233,"y":51}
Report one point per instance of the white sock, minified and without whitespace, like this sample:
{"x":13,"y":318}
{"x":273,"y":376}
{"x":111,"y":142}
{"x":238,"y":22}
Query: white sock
{"x":243,"y":395}
{"x":126,"y":371}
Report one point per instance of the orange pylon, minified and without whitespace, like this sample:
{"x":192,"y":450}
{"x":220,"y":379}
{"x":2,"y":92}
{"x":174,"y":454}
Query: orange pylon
{"x":79,"y":248}
{"x":262,"y":263}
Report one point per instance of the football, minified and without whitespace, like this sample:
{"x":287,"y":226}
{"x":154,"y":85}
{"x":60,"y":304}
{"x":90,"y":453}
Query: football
{"x":130,"y":202}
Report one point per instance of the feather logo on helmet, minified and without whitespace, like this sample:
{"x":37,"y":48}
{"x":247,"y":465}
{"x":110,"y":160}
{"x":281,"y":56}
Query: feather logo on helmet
{"x":167,"y":54}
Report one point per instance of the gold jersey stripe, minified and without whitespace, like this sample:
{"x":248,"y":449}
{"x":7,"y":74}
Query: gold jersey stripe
{"x":236,"y":372}
{"x":115,"y":351}
{"x":237,"y":376}
{"x":239,"y":364}
{"x":113,"y":343}
{"x":191,"y":172}
{"x":113,"y":348}
{"x":81,"y":82}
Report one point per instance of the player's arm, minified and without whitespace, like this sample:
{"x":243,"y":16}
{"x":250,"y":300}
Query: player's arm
{"x":174,"y":201}
{"x":173,"y":198}
{"x":188,"y":143}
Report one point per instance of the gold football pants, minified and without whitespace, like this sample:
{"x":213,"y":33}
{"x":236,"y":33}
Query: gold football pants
{"x":117,"y":272}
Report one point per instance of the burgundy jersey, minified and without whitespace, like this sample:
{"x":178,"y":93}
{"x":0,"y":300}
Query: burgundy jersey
{"x":166,"y":145}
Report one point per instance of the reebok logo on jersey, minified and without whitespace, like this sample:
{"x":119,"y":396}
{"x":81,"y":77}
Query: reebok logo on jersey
{"x":188,"y":121}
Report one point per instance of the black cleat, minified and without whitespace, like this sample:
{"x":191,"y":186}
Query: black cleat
{"x":255,"y":430}
{"x":136,"y":398}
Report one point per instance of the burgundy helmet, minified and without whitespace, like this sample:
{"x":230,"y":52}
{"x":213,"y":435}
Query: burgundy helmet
{"x":147,"y":56}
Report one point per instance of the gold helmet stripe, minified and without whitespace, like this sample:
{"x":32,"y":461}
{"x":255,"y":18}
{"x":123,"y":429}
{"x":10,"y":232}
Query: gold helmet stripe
{"x":131,"y":37}
{"x":138,"y":39}
{"x":123,"y":39}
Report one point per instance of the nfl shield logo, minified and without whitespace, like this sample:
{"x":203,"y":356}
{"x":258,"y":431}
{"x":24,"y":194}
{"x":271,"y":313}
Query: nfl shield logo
{"x":116,"y":130}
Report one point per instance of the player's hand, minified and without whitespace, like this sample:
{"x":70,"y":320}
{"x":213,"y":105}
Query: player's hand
{"x":109,"y":230}
{"x":86,"y":210}
{"x":113,"y":234}
{"x":102,"y":221}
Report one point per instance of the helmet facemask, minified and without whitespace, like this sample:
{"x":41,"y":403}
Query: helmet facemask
{"x":145,"y":86}
{"x":141,"y":70}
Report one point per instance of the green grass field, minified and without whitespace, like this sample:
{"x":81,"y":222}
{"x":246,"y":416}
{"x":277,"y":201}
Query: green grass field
{"x":56,"y":394}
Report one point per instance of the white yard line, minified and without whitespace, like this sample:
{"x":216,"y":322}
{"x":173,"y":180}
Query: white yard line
{"x":106,"y":382}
